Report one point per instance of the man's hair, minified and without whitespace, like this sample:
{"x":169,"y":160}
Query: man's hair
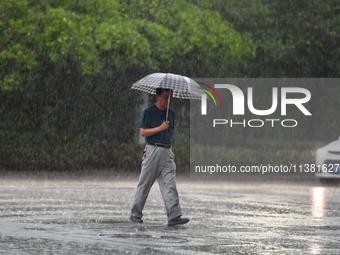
{"x":160,"y":91}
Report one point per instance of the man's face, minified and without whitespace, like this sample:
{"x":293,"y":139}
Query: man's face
{"x":162,"y":100}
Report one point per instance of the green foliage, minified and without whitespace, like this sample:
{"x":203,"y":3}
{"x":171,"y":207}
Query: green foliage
{"x":308,"y":30}
{"x":190,"y":40}
{"x":42,"y":151}
{"x":293,"y":38}
{"x":253,"y":20}
{"x":66,"y":66}
{"x":55,"y":152}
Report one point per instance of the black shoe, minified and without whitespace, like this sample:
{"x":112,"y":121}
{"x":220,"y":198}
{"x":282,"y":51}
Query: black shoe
{"x":178,"y":221}
{"x":136,"y":219}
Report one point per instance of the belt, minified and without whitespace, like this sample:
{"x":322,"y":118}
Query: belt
{"x":167,"y":146}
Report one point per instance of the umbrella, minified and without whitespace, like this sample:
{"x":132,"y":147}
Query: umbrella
{"x":182,"y":87}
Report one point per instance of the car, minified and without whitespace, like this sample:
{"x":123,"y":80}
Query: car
{"x":328,"y":162}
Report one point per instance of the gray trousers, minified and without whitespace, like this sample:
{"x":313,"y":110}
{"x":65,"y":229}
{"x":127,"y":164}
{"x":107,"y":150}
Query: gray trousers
{"x":159,"y":164}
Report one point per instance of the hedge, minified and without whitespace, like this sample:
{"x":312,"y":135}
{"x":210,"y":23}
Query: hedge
{"x":56,"y":152}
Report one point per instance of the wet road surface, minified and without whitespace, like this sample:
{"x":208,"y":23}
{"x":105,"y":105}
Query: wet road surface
{"x":90,"y":216}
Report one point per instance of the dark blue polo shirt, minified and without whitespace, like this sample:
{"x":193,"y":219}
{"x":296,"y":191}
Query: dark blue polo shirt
{"x":154,"y":117}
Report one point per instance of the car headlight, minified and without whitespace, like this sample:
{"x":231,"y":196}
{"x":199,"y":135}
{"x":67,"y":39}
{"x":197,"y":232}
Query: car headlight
{"x":322,"y":152}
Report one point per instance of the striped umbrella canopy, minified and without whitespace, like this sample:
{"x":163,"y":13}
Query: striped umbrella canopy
{"x":182,"y":87}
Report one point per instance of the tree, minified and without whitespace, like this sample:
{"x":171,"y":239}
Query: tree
{"x":66,"y":66}
{"x":310,"y":42}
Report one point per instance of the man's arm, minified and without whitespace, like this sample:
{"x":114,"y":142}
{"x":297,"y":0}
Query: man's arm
{"x":146,"y":132}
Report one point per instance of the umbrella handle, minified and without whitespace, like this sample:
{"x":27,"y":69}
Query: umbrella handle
{"x":167,"y":109}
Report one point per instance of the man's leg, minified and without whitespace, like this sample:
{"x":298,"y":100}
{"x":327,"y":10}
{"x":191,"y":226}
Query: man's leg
{"x":149,"y":173}
{"x":167,"y":184}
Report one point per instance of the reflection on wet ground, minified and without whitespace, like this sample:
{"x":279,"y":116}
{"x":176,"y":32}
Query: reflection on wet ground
{"x":90,"y":216}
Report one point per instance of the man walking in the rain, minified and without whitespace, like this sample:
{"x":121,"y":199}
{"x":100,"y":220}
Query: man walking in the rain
{"x":158,"y":160}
